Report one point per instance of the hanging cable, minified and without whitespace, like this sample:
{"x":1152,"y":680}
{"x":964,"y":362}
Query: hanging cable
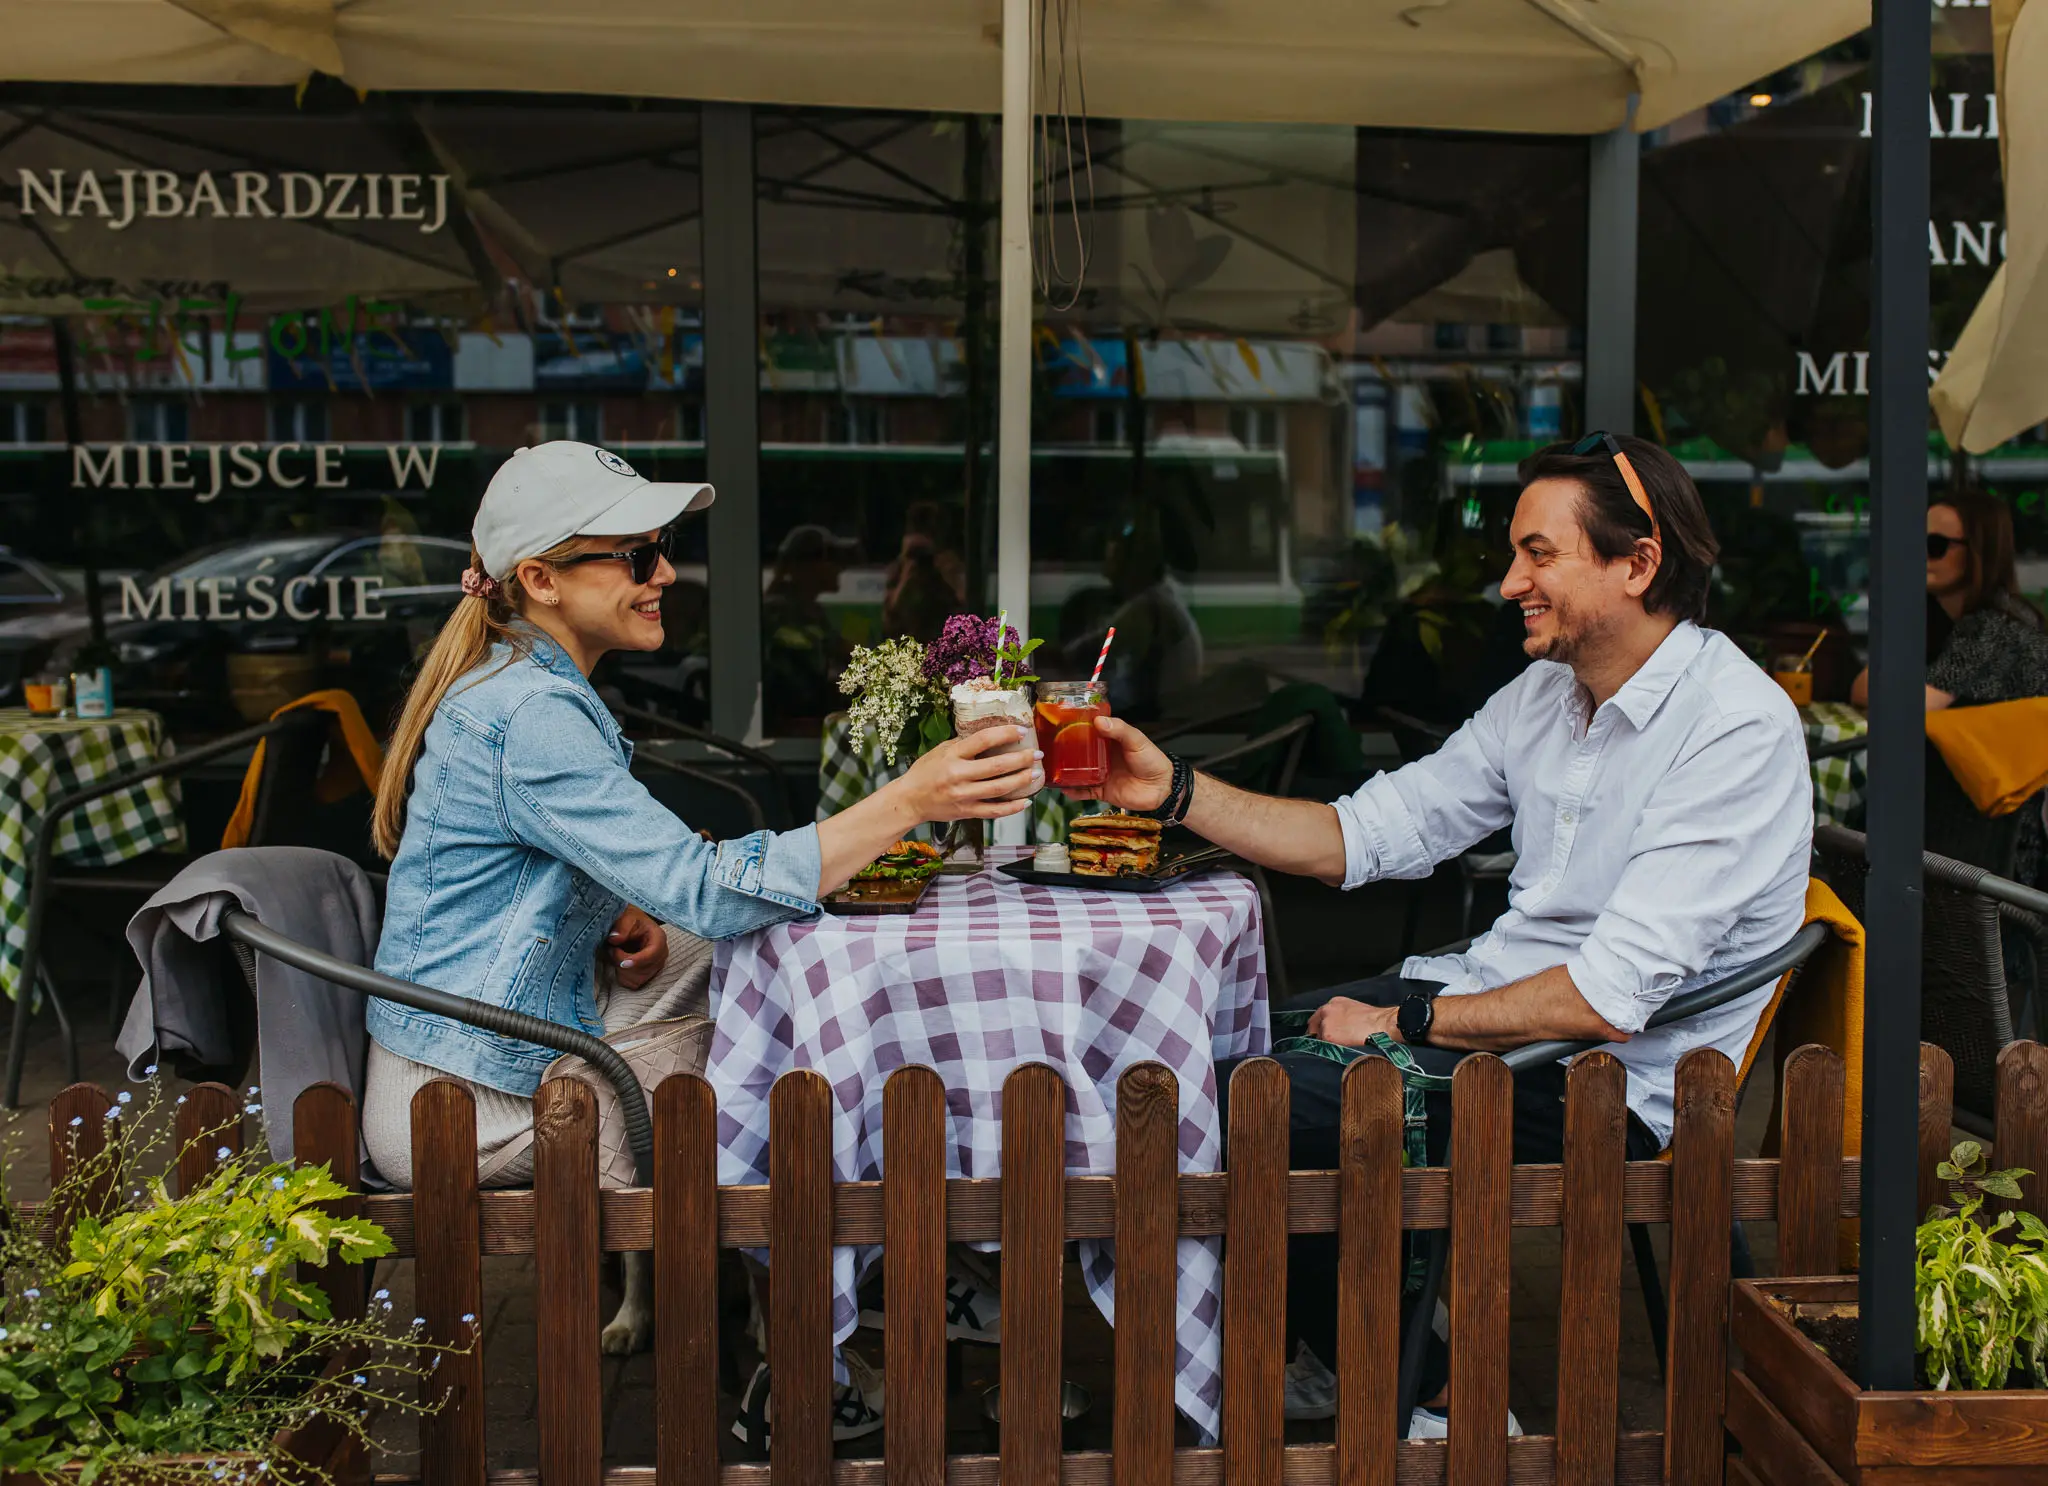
{"x":1061,"y":264}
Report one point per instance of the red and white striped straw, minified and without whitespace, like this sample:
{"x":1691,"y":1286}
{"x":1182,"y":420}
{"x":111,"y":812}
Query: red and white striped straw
{"x":1096,"y":679}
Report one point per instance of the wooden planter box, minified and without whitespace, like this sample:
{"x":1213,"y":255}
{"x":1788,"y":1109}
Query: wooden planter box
{"x":1801,"y":1421}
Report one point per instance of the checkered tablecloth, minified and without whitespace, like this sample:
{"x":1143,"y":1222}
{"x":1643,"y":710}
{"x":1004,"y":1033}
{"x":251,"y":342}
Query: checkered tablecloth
{"x":1839,"y":782}
{"x":848,"y":775}
{"x":986,"y":976}
{"x":44,"y":757}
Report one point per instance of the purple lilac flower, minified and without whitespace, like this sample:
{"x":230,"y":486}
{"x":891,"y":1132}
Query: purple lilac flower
{"x":965,"y":648}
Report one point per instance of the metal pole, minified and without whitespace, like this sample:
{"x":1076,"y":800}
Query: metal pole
{"x":732,"y":396}
{"x":1613,"y":169}
{"x":1013,"y":354}
{"x":1901,"y":44}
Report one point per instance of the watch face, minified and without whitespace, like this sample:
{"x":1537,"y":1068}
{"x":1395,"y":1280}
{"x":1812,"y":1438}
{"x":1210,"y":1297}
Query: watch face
{"x":1413,"y":1018}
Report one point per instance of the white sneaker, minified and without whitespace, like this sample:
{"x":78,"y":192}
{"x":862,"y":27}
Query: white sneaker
{"x":974,"y":1306}
{"x":1311,"y":1391}
{"x":1435,"y":1424}
{"x":856,"y":1405}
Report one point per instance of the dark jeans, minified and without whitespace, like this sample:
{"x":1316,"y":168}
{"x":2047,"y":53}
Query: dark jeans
{"x":1317,"y":1099}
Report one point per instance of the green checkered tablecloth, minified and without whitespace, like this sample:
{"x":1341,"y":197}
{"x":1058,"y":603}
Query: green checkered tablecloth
{"x":1839,"y":782}
{"x":42,"y":758}
{"x":847,"y":775}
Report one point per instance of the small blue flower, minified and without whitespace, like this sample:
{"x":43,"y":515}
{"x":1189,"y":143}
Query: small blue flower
{"x":150,"y":1071}
{"x":435,"y":1364}
{"x":381,"y":1295}
{"x":252,"y":1109}
{"x":223,"y":1154}
{"x":77,"y":1120}
{"x":260,"y":1270}
{"x":113,"y":1112}
{"x":124,"y":1097}
{"x":269,"y":1244}
{"x":261,"y":1466}
{"x":277,"y":1184}
{"x":32,"y":1294}
{"x":418,"y":1322}
{"x":468,"y":1320}
{"x":3,"y":1333}
{"x":46,"y":1325}
{"x":254,"y":1091}
{"x":359,"y":1380}
{"x":181,"y":1098}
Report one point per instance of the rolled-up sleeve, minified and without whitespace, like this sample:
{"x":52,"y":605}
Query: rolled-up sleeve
{"x":1403,"y":823}
{"x":564,"y":791}
{"x":1726,"y":828}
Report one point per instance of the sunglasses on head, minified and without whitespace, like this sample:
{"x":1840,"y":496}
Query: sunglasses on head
{"x":642,"y":559}
{"x":1938,"y":545}
{"x":1600,"y":440}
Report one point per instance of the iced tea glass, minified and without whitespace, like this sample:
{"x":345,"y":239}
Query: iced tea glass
{"x":1076,"y":756}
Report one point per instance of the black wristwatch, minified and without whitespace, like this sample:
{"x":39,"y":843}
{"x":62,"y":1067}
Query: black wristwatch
{"x":1414,"y":1017}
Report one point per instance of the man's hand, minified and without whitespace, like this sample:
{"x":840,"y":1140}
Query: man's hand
{"x":1350,"y":1023}
{"x":1140,"y":774}
{"x":638,"y":947}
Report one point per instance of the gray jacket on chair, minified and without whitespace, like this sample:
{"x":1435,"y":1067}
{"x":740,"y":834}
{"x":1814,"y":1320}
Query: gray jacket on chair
{"x":307,"y":1031}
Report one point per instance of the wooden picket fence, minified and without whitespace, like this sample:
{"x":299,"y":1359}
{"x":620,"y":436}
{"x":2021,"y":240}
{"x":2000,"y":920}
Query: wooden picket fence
{"x":446,"y":1225}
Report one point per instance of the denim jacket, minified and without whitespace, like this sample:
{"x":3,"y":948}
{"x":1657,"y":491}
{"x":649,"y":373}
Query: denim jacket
{"x":525,"y":833}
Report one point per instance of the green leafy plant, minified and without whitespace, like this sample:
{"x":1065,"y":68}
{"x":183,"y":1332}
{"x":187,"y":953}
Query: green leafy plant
{"x":177,"y":1336}
{"x":1010,"y":662}
{"x":1981,"y":1285}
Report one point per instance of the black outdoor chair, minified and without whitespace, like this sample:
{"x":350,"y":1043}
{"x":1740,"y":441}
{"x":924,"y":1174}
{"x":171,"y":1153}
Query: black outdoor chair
{"x":285,"y":812}
{"x":1967,"y":1004}
{"x":774,"y":807}
{"x":1492,"y":860}
{"x":1416,"y":1323}
{"x":1267,"y":764}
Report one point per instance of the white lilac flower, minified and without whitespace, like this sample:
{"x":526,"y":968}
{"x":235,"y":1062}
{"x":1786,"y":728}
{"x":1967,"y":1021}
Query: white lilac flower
{"x":889,"y":691}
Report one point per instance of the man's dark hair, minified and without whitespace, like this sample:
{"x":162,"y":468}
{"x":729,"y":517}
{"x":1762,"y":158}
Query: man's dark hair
{"x":1614,"y":523}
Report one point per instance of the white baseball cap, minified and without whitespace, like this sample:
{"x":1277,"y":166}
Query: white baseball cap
{"x":542,"y":496}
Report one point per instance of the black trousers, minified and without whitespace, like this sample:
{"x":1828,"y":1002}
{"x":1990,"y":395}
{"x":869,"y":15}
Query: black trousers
{"x":1316,"y":1088}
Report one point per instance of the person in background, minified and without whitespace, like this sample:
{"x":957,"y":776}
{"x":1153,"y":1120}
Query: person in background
{"x":803,"y":649}
{"x":927,"y":583}
{"x":1158,"y":653}
{"x":1985,"y":641}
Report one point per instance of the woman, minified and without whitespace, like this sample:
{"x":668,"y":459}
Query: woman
{"x":522,"y":848}
{"x":1985,"y":642}
{"x":1994,"y":648}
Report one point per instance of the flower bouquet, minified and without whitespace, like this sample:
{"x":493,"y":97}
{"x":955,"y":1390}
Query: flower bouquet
{"x":912,"y":697}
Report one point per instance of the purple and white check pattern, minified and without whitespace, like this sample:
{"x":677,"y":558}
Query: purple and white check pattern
{"x":989,"y":975}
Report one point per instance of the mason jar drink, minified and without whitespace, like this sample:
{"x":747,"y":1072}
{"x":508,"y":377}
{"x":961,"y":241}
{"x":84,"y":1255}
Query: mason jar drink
{"x":980,"y":704}
{"x":1076,"y":755}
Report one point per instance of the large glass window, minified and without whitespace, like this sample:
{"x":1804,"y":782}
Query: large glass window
{"x":305,"y":359}
{"x":1753,"y":341}
{"x":878,"y":366}
{"x":1275,"y":428}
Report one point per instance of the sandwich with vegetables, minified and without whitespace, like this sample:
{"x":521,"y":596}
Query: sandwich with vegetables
{"x":1113,"y":845}
{"x":906,"y":861}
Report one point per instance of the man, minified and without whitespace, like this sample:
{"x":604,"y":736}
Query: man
{"x":1656,"y":783}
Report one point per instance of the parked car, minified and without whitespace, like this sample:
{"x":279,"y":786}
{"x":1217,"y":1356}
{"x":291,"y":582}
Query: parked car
{"x":353,"y":607}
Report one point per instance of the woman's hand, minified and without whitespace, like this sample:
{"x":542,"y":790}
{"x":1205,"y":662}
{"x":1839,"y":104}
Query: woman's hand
{"x":961,"y":780}
{"x":1140,"y":773}
{"x":638,"y":948}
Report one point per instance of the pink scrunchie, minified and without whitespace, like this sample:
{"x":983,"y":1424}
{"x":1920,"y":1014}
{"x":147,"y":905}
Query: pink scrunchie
{"x":479,"y":584}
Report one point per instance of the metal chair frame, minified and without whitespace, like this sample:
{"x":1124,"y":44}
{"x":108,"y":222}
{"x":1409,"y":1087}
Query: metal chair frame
{"x":43,"y":880}
{"x":1415,"y":1326}
{"x":739,"y":752}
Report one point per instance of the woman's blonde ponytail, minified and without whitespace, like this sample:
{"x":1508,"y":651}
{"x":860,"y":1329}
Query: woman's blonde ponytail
{"x":478,"y":623}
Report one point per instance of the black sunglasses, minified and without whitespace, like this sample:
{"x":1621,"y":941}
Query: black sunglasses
{"x":1601,"y":441}
{"x":643,"y":559}
{"x":1938,"y":545}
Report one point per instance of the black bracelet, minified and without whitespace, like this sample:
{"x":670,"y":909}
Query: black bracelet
{"x":1174,"y":808}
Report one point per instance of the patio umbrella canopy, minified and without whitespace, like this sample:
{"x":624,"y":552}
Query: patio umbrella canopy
{"x":1995,"y":383}
{"x":1537,"y":66}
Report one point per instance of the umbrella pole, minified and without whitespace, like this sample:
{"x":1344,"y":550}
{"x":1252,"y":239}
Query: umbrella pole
{"x":85,"y":505}
{"x":1013,"y":357}
{"x":1902,"y":41}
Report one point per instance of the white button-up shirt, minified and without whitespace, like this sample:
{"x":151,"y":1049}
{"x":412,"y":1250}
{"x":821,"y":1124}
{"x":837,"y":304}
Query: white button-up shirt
{"x":1660,"y":845}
